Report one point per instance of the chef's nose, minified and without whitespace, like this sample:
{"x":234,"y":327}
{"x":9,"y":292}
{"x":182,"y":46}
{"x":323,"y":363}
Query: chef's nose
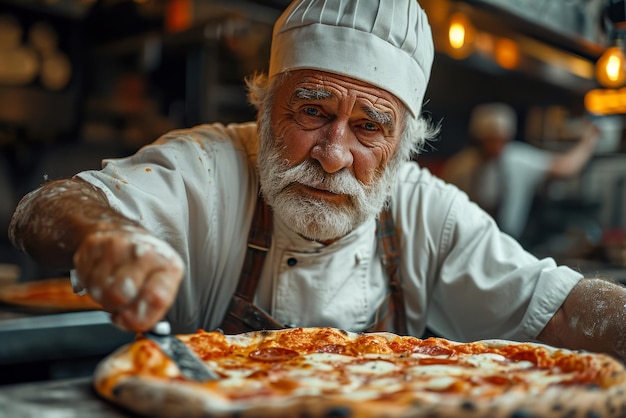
{"x":333,"y":150}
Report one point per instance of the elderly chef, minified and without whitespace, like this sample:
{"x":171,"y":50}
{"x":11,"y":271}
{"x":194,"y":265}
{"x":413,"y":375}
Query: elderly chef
{"x":314,"y":215}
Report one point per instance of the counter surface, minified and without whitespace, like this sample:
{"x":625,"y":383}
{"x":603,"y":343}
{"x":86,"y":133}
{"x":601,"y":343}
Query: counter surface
{"x":69,"y":398}
{"x":28,"y":337}
{"x":38,"y":346}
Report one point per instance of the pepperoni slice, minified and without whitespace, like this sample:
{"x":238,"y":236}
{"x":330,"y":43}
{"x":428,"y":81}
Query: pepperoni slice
{"x":433,"y":350}
{"x":332,"y":348}
{"x":273,"y":354}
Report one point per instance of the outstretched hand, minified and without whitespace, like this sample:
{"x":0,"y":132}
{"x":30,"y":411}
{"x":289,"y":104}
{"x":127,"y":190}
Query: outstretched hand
{"x":132,"y":274}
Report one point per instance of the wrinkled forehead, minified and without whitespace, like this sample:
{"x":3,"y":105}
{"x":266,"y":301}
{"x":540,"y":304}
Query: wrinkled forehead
{"x":326,"y":84}
{"x":319,"y":86}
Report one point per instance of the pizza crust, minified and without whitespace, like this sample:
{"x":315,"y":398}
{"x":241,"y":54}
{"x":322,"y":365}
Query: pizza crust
{"x":54,"y":294}
{"x":175,"y":397}
{"x":162,"y":399}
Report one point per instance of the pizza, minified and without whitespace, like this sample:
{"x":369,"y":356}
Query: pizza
{"x":53,"y":294}
{"x":327,"y":372}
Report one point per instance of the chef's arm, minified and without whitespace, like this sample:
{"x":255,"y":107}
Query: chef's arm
{"x":572,"y":161}
{"x":51,"y":221}
{"x":69,"y":224}
{"x":593,"y":318}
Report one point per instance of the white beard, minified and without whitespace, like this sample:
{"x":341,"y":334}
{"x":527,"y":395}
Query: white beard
{"x":318,"y":219}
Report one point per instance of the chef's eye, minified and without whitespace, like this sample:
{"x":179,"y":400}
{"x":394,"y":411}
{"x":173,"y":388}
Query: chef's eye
{"x":369,"y":126}
{"x":311,"y":111}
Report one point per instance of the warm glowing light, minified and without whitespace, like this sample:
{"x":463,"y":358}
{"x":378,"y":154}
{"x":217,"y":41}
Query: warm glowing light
{"x":613,"y":68}
{"x":507,"y":53}
{"x":610,"y":68}
{"x":606,"y":102}
{"x":460,"y":35}
{"x":557,"y":58}
{"x":457,"y":35}
{"x":178,"y":15}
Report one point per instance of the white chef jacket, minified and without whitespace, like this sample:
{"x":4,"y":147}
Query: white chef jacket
{"x":525,"y":168}
{"x":460,"y":275}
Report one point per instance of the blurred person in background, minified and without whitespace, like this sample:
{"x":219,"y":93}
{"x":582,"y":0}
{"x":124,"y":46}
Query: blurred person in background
{"x":502,"y":175}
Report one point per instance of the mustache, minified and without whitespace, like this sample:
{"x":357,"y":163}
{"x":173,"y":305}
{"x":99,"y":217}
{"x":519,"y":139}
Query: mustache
{"x":310,"y":174}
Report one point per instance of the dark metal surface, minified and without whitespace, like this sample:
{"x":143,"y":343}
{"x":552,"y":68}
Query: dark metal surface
{"x":42,"y":337}
{"x":71,"y":398}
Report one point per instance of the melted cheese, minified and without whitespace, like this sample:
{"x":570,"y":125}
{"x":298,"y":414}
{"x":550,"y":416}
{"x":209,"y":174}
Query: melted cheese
{"x":298,"y":362}
{"x":374,"y":367}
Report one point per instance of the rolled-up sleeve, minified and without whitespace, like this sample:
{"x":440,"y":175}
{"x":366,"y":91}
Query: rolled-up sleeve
{"x":463,"y":278}
{"x":489,"y":286}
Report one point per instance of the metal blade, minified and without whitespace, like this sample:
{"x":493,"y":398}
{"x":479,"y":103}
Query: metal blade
{"x":187,"y":361}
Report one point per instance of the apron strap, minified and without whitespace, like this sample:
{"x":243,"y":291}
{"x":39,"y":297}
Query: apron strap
{"x":243,"y":316}
{"x":259,"y":242}
{"x":387,"y":235}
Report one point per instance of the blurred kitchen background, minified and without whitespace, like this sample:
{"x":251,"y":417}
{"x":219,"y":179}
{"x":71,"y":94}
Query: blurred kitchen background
{"x":82,"y":80}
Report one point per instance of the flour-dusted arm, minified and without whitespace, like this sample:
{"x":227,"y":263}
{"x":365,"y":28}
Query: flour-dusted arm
{"x":593,"y":317}
{"x":69,"y":224}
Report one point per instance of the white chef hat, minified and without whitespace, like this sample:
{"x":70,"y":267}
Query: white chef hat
{"x":387,"y":43}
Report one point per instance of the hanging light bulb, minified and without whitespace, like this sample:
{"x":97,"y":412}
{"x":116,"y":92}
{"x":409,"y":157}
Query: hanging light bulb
{"x":611,"y":67}
{"x":461,"y":34}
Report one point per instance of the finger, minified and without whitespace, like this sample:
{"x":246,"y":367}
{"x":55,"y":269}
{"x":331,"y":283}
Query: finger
{"x":151,"y":305}
{"x":105,"y":263}
{"x":118,"y":320}
{"x":134,"y":276}
{"x":121,"y":288}
{"x":142,"y":274}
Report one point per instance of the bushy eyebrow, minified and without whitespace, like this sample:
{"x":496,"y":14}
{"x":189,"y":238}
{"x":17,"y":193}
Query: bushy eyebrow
{"x":375,"y":115}
{"x":312,"y":94}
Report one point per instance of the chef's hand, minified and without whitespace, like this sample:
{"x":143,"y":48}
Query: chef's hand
{"x":132,"y":274}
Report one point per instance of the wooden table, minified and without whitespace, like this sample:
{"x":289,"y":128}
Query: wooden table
{"x":70,"y":398}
